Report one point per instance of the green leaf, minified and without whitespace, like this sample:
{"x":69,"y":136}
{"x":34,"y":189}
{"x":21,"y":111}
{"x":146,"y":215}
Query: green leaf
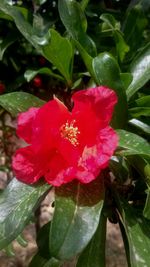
{"x":119,"y":168}
{"x":133,"y":27}
{"x":143,"y":101}
{"x":43,"y":241}
{"x":139,"y":111}
{"x":75,"y":22}
{"x":94,"y":254}
{"x":19,"y":102}
{"x":121,"y":46}
{"x":107,"y":73}
{"x":59,"y":52}
{"x":17,"y":203}
{"x":30,"y":74}
{"x":23,"y":25}
{"x":112,"y":24}
{"x":141,"y":165}
{"x":126,"y":79}
{"x":39,"y":261}
{"x":132,"y":144}
{"x":137,"y":229}
{"x":6,"y":42}
{"x":146,"y":211}
{"x":140,"y":125}
{"x":77,"y":212}
{"x":51,"y":45}
{"x":140,"y":69}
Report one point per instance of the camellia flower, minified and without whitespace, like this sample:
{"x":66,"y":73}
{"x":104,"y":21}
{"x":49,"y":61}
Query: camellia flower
{"x":67,"y":145}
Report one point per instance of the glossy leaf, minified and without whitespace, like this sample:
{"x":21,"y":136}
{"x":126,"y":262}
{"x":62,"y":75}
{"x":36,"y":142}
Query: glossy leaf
{"x":137,"y":229}
{"x":55,"y":48}
{"x":119,"y":168}
{"x":19,"y":101}
{"x":132,"y":144}
{"x":77,"y":212}
{"x":22,"y":24}
{"x":126,"y":79}
{"x":146,"y":211}
{"x":107,"y":73}
{"x":140,"y":69}
{"x":111,"y":23}
{"x":140,"y":164}
{"x":39,"y":261}
{"x":140,"y":111}
{"x":94,"y":254}
{"x":4,"y":44}
{"x":140,"y":125}
{"x":59,"y":52}
{"x":143,"y":101}
{"x":17,"y":203}
{"x":133,"y":26}
{"x":30,"y":74}
{"x":74,"y":20}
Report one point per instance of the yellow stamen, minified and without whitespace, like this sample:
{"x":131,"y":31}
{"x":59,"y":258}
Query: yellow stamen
{"x":70,"y":132}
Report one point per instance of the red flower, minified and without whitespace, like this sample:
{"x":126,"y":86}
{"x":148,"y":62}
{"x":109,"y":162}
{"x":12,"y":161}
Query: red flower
{"x":67,"y":145}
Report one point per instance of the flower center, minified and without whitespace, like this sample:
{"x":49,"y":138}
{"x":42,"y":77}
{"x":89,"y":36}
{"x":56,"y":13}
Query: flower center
{"x":70,"y":132}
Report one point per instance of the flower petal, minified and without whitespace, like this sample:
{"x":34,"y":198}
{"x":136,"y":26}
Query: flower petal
{"x":59,"y":172}
{"x":101,"y":99}
{"x":25,"y":166}
{"x":46,"y":126}
{"x":96,"y":158}
{"x":25,"y":123}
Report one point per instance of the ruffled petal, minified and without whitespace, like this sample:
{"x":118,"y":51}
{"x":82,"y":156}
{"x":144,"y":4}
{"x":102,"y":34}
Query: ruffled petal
{"x":59,"y":172}
{"x":25,"y":124}
{"x":96,"y":158}
{"x":100,"y":99}
{"x":25,"y":165}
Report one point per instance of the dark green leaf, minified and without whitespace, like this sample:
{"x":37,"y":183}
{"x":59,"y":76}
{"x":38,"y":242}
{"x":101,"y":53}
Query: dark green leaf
{"x":143,"y":101}
{"x":17,"y":203}
{"x":59,"y":52}
{"x":133,"y":26}
{"x":140,"y":69}
{"x":5,"y":43}
{"x":19,"y":101}
{"x":140,"y":111}
{"x":39,"y":261}
{"x":132,"y":144}
{"x":56,"y":49}
{"x":121,"y":46}
{"x":141,"y":165}
{"x":119,"y":168}
{"x":126,"y":243}
{"x":146,"y":211}
{"x":140,"y":125}
{"x":30,"y":74}
{"x":111,"y":23}
{"x":94,"y":254}
{"x":43,"y":241}
{"x":107,"y":73}
{"x":77,"y":212}
{"x":23,"y":25}
{"x":126,"y":79}
{"x":74,"y":20}
{"x":137,"y":229}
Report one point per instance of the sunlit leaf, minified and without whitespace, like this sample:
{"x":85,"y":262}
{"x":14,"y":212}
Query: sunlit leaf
{"x":17,"y":203}
{"x":18,"y":102}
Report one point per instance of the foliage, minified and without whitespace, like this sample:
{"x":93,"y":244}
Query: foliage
{"x":62,"y":46}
